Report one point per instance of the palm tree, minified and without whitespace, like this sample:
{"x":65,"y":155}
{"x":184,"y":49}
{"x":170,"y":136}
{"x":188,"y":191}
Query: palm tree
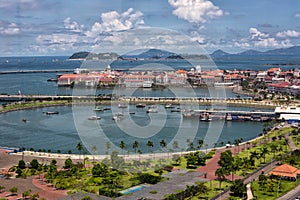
{"x":206,"y":145}
{"x":175,"y":145}
{"x":122,"y":146}
{"x":237,"y":143}
{"x":220,"y":173}
{"x":200,"y":143}
{"x":135,"y":145}
{"x":79,"y":147}
{"x":221,"y":143}
{"x":162,"y":144}
{"x":107,"y":147}
{"x":94,"y":149}
{"x":264,"y":151}
{"x":149,"y":145}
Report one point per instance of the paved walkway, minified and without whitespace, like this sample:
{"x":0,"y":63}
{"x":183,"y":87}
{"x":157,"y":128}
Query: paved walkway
{"x":249,"y":192}
{"x":212,"y":165}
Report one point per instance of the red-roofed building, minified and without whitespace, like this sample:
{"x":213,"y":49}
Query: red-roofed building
{"x":286,"y":171}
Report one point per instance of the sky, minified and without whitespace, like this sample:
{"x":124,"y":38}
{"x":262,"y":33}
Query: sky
{"x":52,"y":27}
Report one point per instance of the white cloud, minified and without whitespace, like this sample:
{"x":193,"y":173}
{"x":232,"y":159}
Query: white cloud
{"x":73,"y":26}
{"x":288,"y":33}
{"x":114,"y":21}
{"x":257,"y":34}
{"x":7,"y":28}
{"x":297,"y":15}
{"x":195,"y":36}
{"x":196,"y":11}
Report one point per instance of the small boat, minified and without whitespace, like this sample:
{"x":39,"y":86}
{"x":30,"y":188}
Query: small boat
{"x":98,"y":108}
{"x":24,"y":120}
{"x":169,"y":106}
{"x":176,"y":110}
{"x":140,"y":105}
{"x":106,"y":108}
{"x":122,"y":106}
{"x":52,"y":113}
{"x":94,"y":118}
{"x":152,"y":110}
{"x":132,"y":113}
{"x":118,"y":116}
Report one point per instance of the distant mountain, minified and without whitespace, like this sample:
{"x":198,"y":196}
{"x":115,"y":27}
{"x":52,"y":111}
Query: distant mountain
{"x":93,"y":56}
{"x":152,"y":54}
{"x":219,"y":53}
{"x":79,"y":55}
{"x":295,"y":50}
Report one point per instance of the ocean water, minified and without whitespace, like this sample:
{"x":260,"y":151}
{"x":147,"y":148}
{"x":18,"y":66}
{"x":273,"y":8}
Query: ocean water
{"x":64,"y":131}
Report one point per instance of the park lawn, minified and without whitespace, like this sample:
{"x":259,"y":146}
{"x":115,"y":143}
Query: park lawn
{"x":213,"y":189}
{"x":285,"y":186}
{"x":268,"y":157}
{"x":33,"y":104}
{"x":296,"y":140}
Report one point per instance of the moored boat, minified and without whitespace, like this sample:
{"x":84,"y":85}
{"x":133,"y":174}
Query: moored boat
{"x":98,"y":108}
{"x":152,"y":110}
{"x":169,"y":106}
{"x":140,"y":105}
{"x":94,"y":117}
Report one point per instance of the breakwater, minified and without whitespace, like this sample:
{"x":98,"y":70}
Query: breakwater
{"x":36,"y":71}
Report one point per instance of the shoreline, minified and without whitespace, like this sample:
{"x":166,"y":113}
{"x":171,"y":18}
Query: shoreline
{"x":99,"y":157}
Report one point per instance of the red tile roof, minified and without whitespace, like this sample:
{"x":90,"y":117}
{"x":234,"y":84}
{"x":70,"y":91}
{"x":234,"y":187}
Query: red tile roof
{"x":286,"y":170}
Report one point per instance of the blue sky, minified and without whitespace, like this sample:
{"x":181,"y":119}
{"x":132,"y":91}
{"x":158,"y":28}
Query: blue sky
{"x":51,"y":27}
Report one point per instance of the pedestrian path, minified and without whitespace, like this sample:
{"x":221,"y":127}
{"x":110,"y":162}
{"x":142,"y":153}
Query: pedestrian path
{"x":249,"y":192}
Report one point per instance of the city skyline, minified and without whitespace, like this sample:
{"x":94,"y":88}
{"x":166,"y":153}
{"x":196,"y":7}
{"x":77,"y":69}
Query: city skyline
{"x":32,"y":27}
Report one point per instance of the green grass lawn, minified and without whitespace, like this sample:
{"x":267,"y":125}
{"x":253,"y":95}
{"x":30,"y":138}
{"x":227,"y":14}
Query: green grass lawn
{"x":285,"y":186}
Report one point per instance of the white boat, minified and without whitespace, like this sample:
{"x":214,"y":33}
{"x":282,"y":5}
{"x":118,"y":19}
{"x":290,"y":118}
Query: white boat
{"x":152,"y":110}
{"x":118,"y":116}
{"x":122,"y":105}
{"x":169,"y":106}
{"x":98,"y":108}
{"x":94,"y":117}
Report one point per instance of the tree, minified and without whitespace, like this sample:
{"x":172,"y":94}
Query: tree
{"x":1,"y":188}
{"x":238,"y":188}
{"x":150,"y":145}
{"x":94,"y":149}
{"x":227,"y":162}
{"x":26,"y":193}
{"x":175,"y":145}
{"x":34,"y":163}
{"x":135,"y":145}
{"x":13,"y":190}
{"x":220,"y":173}
{"x":68,"y":163}
{"x":162,"y":144}
{"x":122,"y":146}
{"x":99,"y":170}
{"x":21,"y":164}
{"x":107,"y":147}
{"x":264,"y":151}
{"x":79,"y":147}
{"x":200,"y":143}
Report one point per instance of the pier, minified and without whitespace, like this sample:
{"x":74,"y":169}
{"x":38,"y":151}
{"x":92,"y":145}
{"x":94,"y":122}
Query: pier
{"x":230,"y":115}
{"x":37,"y":71}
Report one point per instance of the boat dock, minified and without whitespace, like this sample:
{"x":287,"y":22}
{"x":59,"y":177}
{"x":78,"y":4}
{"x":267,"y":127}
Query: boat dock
{"x":230,"y":115}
